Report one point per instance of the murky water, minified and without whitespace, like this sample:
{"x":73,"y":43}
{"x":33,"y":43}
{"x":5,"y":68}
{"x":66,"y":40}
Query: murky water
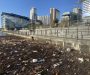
{"x":2,"y":33}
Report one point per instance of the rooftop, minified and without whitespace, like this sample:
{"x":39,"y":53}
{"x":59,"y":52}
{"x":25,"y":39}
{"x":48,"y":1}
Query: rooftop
{"x":15,"y":15}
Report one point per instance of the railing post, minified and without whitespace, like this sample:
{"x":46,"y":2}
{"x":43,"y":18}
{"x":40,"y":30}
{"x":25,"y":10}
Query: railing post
{"x":50,"y":32}
{"x":41,"y":32}
{"x":37,"y":33}
{"x":68,"y":30}
{"x":26,"y":33}
{"x":77,"y":33}
{"x":57,"y":32}
{"x":88,"y":29}
{"x":33,"y":32}
{"x":29,"y":32}
{"x":45,"y":32}
{"x":18,"y":32}
{"x":81,"y":35}
{"x":66,"y":33}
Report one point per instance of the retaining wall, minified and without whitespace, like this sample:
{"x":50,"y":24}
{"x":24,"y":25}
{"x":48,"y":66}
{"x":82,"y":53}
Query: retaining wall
{"x":81,"y":45}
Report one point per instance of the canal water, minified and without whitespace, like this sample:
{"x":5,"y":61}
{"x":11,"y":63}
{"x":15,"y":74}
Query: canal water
{"x":2,"y":33}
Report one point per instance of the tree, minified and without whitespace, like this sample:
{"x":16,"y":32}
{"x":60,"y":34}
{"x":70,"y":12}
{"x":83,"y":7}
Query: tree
{"x":28,"y":26}
{"x":56,"y":22}
{"x":82,"y":0}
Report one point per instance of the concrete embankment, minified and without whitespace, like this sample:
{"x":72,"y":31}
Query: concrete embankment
{"x":80,"y":44}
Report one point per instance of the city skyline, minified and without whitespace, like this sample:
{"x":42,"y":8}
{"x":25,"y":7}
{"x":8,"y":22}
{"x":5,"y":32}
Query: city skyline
{"x":22,"y":7}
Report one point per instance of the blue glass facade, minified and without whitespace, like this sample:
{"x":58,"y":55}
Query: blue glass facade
{"x":12,"y":21}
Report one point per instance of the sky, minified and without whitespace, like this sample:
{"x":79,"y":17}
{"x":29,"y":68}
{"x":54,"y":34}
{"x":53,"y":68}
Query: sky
{"x":22,"y":7}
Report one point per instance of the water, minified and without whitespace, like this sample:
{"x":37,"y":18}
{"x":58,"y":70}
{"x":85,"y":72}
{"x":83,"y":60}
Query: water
{"x":2,"y":33}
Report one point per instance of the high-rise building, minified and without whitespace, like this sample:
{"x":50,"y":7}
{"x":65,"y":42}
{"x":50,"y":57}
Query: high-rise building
{"x":71,"y":18}
{"x":44,"y":19}
{"x":33,"y":14}
{"x":86,"y":7}
{"x":54,"y":16}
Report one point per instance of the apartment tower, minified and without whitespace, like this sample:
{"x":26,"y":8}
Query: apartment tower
{"x":54,"y":16}
{"x":33,"y":14}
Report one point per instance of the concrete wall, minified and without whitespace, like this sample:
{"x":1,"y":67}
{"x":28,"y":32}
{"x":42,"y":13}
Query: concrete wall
{"x":78,"y":39}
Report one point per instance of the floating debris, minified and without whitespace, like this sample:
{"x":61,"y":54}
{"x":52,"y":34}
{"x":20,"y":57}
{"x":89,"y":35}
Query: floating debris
{"x":23,"y":68}
{"x":81,"y":60}
{"x":55,"y":65}
{"x":8,"y":66}
{"x":87,"y":59}
{"x":68,"y":49}
{"x":19,"y":56}
{"x":34,"y":60}
{"x":35,"y":51}
{"x":15,"y":51}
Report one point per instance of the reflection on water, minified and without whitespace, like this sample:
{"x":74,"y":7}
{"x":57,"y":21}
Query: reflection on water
{"x":2,"y":33}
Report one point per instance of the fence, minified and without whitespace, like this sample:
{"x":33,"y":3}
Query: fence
{"x":78,"y":37}
{"x":68,"y":33}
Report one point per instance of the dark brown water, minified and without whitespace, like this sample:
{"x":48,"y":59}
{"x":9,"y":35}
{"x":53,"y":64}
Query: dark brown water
{"x":2,"y":33}
{"x":19,"y":56}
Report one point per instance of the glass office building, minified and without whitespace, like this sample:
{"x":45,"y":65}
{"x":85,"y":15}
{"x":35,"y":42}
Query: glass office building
{"x":12,"y":21}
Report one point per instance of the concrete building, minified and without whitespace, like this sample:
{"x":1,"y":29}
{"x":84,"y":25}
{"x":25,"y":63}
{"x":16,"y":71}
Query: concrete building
{"x":65,"y":19}
{"x":86,"y":7}
{"x":77,"y":13}
{"x":54,"y":16}
{"x":12,"y":21}
{"x":66,"y":15}
{"x":86,"y":20}
{"x":44,"y":19}
{"x":77,"y":10}
{"x":33,"y":14}
{"x":70,"y":18}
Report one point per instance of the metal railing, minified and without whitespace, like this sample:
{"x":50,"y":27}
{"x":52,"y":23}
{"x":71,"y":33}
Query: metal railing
{"x":67,"y":33}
